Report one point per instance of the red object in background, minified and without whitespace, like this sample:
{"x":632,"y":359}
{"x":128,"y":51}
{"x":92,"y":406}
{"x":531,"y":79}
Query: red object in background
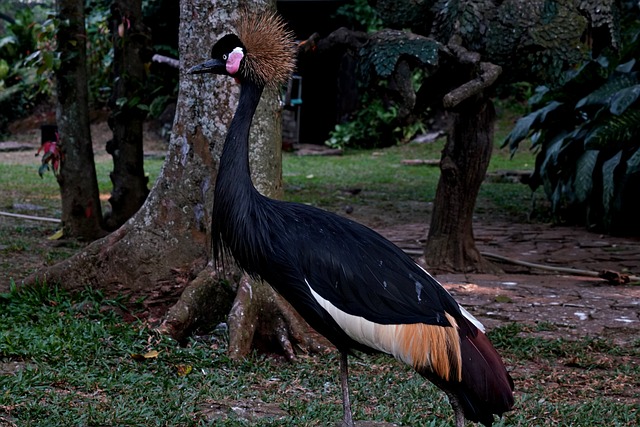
{"x":52,"y":154}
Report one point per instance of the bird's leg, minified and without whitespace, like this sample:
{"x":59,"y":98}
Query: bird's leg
{"x":457,"y":409}
{"x":344,"y":381}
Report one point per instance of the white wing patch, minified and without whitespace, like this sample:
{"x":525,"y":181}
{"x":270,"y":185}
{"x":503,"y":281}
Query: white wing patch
{"x":358,"y":328}
{"x":419,"y":345}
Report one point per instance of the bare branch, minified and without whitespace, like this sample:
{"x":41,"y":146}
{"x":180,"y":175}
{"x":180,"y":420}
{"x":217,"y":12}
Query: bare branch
{"x":489,"y":73}
{"x":172,"y":62}
{"x":464,"y":56}
{"x":613,"y":277}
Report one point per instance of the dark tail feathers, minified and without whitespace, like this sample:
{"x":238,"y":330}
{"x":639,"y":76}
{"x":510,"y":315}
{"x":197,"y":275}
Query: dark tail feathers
{"x":486,"y":388}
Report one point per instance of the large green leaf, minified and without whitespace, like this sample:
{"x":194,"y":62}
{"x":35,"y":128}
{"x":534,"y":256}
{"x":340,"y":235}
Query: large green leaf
{"x":583,"y":180}
{"x":627,"y":66}
{"x":604,"y":94}
{"x":7,"y":40}
{"x":556,"y":197}
{"x":608,"y":182}
{"x":520,"y":131}
{"x":551,"y":155}
{"x":587,"y":74}
{"x":633,"y":163}
{"x":528,"y":124}
{"x":623,"y":99}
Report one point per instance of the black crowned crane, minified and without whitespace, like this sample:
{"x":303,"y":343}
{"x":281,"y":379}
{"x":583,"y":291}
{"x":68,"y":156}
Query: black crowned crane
{"x":348,"y":282}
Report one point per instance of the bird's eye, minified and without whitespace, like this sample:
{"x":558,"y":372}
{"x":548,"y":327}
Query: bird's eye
{"x":225,"y":56}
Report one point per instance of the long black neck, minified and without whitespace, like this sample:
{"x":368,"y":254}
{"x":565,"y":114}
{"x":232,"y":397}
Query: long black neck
{"x":235,"y":196}
{"x":234,"y":169}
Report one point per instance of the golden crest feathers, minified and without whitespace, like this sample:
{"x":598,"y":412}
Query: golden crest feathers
{"x":270,"y":48}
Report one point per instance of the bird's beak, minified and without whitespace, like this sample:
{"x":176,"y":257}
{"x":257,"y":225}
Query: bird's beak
{"x":214,"y":66}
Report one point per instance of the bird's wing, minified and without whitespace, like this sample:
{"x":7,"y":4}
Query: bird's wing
{"x":363,"y":274}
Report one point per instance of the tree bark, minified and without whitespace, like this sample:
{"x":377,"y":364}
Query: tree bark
{"x":164,"y":249}
{"x":127,"y":112}
{"x":81,"y":210}
{"x":450,"y":245}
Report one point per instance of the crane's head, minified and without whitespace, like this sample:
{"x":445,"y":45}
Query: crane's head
{"x":264,"y":52}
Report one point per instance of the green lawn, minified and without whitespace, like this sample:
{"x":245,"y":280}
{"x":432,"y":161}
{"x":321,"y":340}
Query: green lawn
{"x":72,"y":361}
{"x":384,"y":178}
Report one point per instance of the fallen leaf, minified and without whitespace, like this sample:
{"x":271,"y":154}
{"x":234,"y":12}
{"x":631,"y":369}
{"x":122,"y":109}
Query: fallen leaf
{"x":152,"y":354}
{"x":57,"y":235}
{"x":183,"y":370}
{"x":502,"y":298}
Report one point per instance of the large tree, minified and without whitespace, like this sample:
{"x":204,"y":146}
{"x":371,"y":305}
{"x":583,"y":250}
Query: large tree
{"x":456,"y":80}
{"x":81,"y":210}
{"x":163,"y":251}
{"x":128,"y":111}
{"x":463,"y":47}
{"x":528,"y":40}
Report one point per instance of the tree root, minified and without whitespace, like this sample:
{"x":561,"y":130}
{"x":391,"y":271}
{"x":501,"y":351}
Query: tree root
{"x":130,"y":261}
{"x":203,"y":304}
{"x":261,"y":319}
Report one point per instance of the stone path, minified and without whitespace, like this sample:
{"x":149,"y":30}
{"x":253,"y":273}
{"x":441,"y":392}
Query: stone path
{"x":556,"y":304}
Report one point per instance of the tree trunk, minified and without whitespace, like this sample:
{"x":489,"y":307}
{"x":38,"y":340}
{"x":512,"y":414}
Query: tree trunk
{"x":450,"y":245}
{"x":81,"y":210}
{"x":164,"y":249}
{"x":127,"y":113}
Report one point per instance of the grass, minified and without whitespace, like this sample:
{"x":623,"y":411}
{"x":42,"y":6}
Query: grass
{"x":317,"y":179}
{"x":23,"y":185}
{"x":25,"y":192}
{"x":71,"y":360}
{"x":383,"y":178}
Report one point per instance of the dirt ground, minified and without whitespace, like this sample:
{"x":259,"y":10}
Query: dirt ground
{"x":577,"y":304}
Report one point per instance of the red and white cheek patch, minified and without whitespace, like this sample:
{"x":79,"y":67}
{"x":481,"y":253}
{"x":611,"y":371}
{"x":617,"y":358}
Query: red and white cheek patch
{"x":233,"y":62}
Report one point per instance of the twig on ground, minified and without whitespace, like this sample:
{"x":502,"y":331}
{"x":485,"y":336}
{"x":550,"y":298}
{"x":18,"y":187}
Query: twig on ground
{"x":29,"y":217}
{"x":612,"y":277}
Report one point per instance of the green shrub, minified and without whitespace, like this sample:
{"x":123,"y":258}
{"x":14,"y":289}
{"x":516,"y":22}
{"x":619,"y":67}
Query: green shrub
{"x":587,"y":134}
{"x":23,"y":82}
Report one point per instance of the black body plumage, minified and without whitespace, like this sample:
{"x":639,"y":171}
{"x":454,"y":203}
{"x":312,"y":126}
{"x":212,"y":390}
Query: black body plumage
{"x":336,"y":273}
{"x":286,"y":244}
{"x":295,"y":246}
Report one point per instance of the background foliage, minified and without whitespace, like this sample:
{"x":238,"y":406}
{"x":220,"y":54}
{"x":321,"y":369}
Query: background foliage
{"x":28,"y":56}
{"x":586,"y":132}
{"x":26,"y":53}
{"x":585,"y":121}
